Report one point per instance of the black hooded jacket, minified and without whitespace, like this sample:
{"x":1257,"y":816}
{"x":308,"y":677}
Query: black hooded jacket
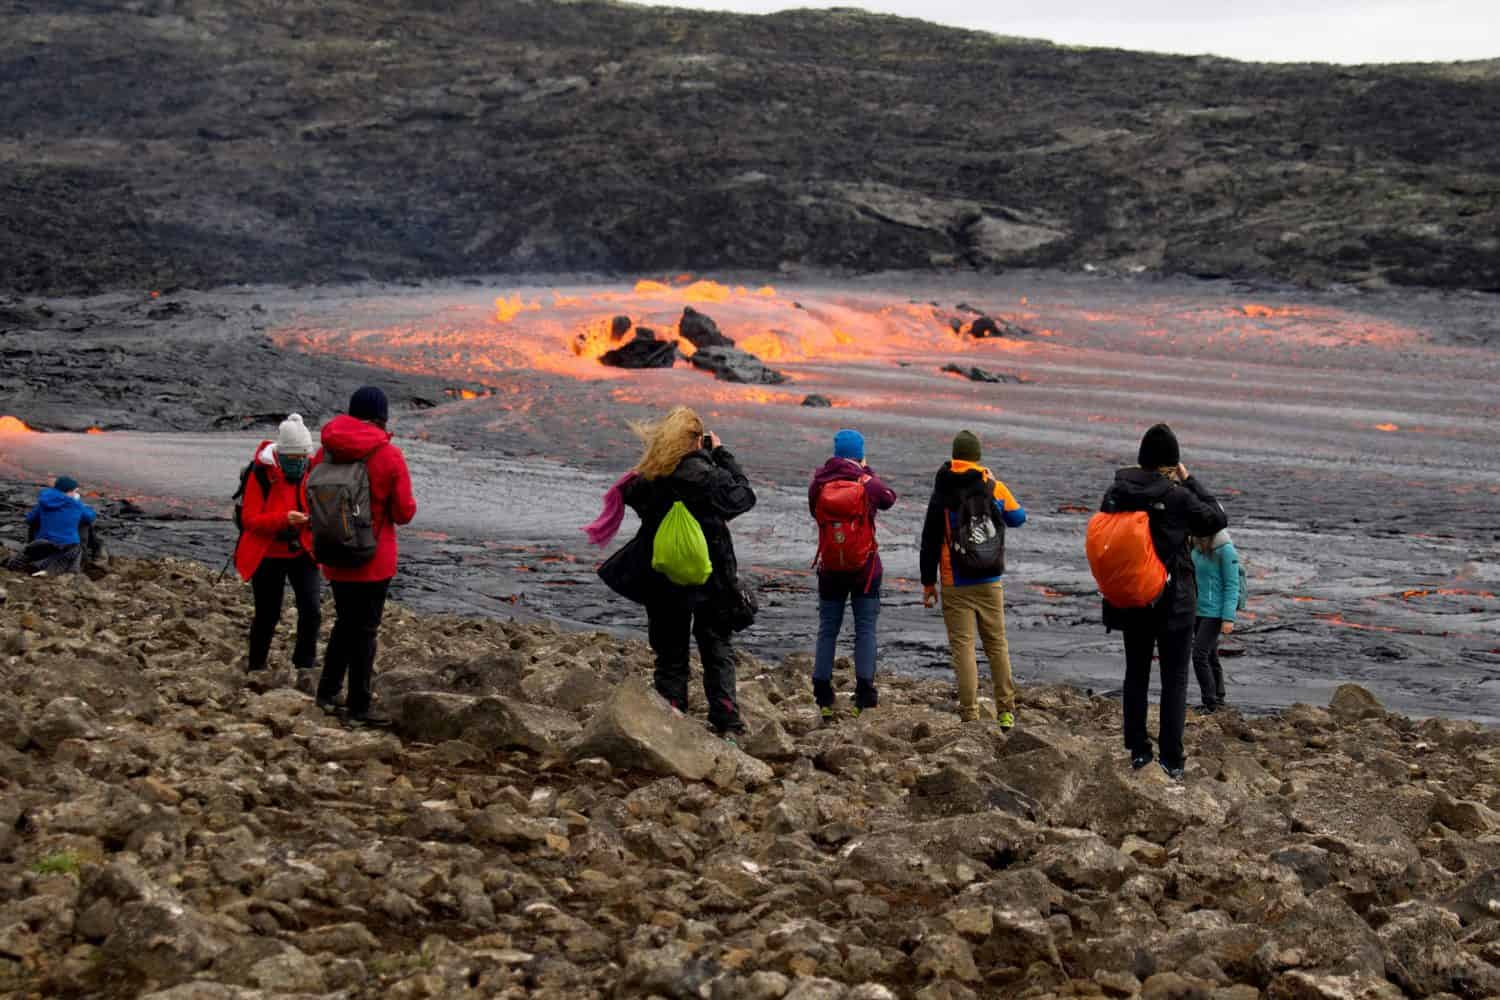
{"x":1176,"y":511}
{"x":714,"y":489}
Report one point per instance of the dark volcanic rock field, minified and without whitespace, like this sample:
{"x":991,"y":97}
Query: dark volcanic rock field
{"x":204,"y":142}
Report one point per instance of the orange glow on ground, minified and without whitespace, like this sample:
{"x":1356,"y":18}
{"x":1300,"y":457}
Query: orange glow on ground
{"x":13,"y":425}
{"x":94,"y":430}
{"x":1270,"y":312}
{"x":1388,"y":428}
{"x":507,"y":309}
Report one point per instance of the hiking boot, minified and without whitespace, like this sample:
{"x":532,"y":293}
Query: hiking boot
{"x":827,"y":715}
{"x":1006,"y":722}
{"x":1175,"y":773}
{"x":729,"y":737}
{"x":329,"y":707}
{"x":1140,"y":758}
{"x":369,"y":720}
{"x":856,"y":711}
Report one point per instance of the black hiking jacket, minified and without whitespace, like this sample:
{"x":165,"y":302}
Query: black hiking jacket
{"x":1176,"y":511}
{"x":715,"y":491}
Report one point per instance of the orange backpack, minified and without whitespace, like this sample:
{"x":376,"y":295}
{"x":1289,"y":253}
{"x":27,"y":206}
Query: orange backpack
{"x":1123,"y":560}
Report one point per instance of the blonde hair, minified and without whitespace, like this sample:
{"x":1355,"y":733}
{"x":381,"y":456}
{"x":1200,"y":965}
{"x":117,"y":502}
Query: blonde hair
{"x":667,"y":441}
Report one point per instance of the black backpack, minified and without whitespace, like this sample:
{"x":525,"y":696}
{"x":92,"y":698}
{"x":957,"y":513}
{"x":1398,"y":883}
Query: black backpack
{"x":339,"y":513}
{"x":976,"y":543}
{"x":262,"y":477}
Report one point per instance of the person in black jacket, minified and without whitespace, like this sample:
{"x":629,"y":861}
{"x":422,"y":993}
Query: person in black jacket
{"x":682,"y":462}
{"x":1178,"y":506}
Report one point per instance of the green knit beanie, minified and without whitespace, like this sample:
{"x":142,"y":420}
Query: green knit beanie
{"x":966,"y":446}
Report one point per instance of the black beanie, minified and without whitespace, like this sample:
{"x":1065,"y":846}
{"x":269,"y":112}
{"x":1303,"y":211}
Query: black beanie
{"x":368,"y":403}
{"x":1158,"y":449}
{"x":966,"y":446}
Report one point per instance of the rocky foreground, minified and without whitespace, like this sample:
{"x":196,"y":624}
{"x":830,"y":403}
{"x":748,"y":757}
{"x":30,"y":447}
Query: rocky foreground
{"x":541,"y":825}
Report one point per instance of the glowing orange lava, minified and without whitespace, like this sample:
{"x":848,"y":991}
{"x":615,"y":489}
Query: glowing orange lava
{"x":507,"y":309}
{"x":1270,"y":312}
{"x":1388,"y":428}
{"x":94,"y":430}
{"x":12,"y":425}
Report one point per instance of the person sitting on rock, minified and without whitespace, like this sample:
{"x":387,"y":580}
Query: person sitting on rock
{"x":54,"y":544}
{"x":963,"y":541}
{"x":275,"y":547}
{"x":1177,"y":506}
{"x":843,"y":498}
{"x":681,"y":462}
{"x":359,"y":591}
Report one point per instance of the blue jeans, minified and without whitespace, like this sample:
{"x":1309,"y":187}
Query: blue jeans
{"x":830,"y":620}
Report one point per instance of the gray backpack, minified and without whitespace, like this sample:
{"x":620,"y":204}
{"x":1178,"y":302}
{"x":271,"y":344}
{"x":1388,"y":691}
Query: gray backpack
{"x":339,"y":514}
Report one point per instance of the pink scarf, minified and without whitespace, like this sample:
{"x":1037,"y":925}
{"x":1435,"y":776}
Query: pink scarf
{"x":608,"y":522}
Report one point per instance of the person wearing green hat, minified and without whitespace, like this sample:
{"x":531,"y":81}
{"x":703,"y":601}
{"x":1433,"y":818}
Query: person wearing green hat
{"x":963,"y":544}
{"x":53,"y":542}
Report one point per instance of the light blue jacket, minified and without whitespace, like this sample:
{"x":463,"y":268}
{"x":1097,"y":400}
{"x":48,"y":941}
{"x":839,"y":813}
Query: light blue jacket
{"x":1218,"y":579}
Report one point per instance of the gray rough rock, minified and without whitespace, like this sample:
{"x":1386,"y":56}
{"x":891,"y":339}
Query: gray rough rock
{"x":492,"y":723}
{"x":637,"y":729}
{"x":1351,"y":703}
{"x":62,"y":719}
{"x":730,"y":364}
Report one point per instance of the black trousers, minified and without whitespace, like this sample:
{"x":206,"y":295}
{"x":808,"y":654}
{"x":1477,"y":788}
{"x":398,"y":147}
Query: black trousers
{"x":669,"y":628}
{"x":358,"y":608}
{"x":269,"y":585}
{"x":1175,"y":649}
{"x":1206,"y":663}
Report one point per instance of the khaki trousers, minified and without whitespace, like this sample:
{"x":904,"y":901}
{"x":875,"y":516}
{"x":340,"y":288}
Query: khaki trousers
{"x":964,"y":609}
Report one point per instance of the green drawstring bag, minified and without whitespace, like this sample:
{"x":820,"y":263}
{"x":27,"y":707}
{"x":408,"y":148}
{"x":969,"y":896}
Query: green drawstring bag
{"x":680,"y":552}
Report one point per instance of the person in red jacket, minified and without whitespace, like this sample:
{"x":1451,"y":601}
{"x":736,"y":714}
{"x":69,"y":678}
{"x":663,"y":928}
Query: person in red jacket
{"x":274,"y":548}
{"x":359,"y":592}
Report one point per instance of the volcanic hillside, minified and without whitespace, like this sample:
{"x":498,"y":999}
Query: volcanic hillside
{"x":200,"y":142}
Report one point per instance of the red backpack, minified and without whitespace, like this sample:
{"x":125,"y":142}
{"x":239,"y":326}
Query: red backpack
{"x":846,"y":531}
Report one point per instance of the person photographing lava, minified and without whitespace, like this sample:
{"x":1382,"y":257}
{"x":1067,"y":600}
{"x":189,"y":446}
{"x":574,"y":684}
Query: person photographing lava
{"x":681,"y":564}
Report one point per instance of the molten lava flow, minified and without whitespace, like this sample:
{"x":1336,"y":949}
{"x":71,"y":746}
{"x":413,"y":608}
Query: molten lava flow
{"x":1388,"y":428}
{"x":1334,"y":618}
{"x":508,"y":309}
{"x":12,"y":425}
{"x":1270,"y":312}
{"x":94,"y":430}
{"x":1408,"y":595}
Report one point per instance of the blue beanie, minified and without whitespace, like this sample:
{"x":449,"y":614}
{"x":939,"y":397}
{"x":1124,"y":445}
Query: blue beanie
{"x":65,"y":484}
{"x":849,"y":444}
{"x":368,"y":403}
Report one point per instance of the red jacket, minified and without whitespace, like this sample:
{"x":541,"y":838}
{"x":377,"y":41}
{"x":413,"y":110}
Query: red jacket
{"x":346,"y":439}
{"x":263,"y":514}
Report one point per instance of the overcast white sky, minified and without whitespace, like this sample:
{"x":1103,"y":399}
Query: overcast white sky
{"x":1346,"y":31}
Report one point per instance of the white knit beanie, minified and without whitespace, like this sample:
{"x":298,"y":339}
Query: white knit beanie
{"x":293,"y":438}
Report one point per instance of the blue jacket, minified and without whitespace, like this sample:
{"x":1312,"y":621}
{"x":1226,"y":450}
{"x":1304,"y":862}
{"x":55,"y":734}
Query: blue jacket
{"x":57,"y":516}
{"x":1218,"y":579}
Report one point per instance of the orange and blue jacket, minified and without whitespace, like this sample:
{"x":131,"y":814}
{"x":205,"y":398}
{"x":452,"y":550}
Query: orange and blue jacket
{"x":954,"y":481}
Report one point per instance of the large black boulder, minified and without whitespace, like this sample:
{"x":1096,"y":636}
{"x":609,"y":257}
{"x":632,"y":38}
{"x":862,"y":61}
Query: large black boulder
{"x":645,"y":351}
{"x":985,"y":327}
{"x":976,"y":374}
{"x":731,"y":364}
{"x":701,"y":331}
